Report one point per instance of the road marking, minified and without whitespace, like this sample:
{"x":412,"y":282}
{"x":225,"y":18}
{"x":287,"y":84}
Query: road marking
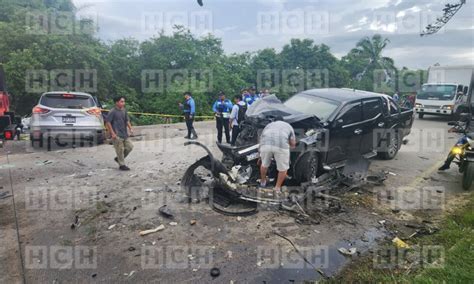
{"x":419,"y":179}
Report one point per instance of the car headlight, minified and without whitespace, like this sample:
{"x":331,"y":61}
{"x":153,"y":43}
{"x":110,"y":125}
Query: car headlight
{"x":457,"y":150}
{"x":447,"y":107}
{"x":418,"y":105}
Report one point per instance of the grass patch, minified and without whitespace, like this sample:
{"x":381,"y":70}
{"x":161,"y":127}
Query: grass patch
{"x":444,"y":257}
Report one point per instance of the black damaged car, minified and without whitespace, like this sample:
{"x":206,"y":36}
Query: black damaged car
{"x":331,"y":126}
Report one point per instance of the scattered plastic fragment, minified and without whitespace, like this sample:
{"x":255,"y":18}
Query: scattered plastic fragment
{"x":146,"y":232}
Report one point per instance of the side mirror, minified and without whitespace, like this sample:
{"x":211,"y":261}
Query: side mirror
{"x":338,"y":122}
{"x":104,"y":106}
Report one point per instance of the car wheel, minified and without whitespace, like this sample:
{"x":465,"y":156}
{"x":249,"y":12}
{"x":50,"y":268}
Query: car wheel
{"x":307,"y":167}
{"x":100,"y":139}
{"x":420,"y":115}
{"x":392,"y":147}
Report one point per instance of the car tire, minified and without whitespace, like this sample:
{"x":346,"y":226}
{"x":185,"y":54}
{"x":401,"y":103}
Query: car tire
{"x":392,"y":147}
{"x":100,"y":139}
{"x":468,"y":176}
{"x":307,"y":167}
{"x":421,"y":115}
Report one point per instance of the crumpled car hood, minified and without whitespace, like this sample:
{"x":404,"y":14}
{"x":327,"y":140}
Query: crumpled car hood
{"x":271,"y":106}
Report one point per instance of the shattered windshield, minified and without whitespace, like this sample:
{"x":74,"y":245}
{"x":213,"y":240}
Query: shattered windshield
{"x":312,"y":105}
{"x":437,"y":92}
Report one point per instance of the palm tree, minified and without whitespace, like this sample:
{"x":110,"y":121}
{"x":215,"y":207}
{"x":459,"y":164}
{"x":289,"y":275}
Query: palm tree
{"x":370,"y":51}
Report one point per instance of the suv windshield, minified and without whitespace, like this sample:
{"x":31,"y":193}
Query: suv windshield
{"x":312,"y":105}
{"x":437,"y":92}
{"x":67,"y":101}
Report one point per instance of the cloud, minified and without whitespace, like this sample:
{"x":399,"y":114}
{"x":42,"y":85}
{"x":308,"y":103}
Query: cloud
{"x":236,"y":23}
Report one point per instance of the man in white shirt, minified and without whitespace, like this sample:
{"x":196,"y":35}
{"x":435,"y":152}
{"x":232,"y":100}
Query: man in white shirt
{"x":236,"y":116}
{"x":276,"y":141}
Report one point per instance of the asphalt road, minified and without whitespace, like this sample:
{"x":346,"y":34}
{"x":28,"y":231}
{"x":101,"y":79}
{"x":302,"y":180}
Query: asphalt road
{"x":51,"y":188}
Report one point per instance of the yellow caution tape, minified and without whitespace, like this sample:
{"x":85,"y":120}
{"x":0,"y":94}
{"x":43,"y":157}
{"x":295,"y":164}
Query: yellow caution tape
{"x":166,"y":115}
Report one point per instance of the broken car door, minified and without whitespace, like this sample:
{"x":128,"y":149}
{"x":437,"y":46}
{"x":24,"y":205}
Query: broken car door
{"x":373,"y":120}
{"x":345,"y":135}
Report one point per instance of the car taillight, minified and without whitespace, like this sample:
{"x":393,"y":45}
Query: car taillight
{"x":94,"y":111}
{"x":8,"y":134}
{"x":68,"y":96}
{"x":40,"y":110}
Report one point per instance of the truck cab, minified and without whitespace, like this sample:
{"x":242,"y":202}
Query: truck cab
{"x":446,"y":89}
{"x":440,"y":99}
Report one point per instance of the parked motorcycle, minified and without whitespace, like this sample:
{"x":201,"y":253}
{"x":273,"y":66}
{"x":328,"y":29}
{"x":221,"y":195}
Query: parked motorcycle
{"x":463,"y":151}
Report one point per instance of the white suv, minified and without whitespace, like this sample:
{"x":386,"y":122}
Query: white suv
{"x":66,"y":116}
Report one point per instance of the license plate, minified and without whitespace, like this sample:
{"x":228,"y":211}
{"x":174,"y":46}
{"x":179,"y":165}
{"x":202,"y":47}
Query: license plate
{"x":253,"y":156}
{"x":69,"y":119}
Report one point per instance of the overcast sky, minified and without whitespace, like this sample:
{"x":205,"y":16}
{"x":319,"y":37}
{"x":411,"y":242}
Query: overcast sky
{"x":248,"y":25}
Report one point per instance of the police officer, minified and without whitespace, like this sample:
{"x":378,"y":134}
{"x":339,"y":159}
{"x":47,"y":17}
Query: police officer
{"x":253,"y":94}
{"x":189,"y":109}
{"x":222,"y":108}
{"x":247,"y":97}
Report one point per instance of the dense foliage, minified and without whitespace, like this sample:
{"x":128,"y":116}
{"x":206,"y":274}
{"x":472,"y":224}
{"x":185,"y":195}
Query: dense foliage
{"x":204,"y":68}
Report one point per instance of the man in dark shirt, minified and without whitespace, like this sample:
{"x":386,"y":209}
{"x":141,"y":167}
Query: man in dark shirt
{"x":117,"y":124}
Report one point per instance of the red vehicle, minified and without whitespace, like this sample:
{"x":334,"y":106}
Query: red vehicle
{"x":8,"y":122}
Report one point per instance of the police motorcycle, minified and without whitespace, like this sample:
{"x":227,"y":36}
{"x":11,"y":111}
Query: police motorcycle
{"x":463,"y":151}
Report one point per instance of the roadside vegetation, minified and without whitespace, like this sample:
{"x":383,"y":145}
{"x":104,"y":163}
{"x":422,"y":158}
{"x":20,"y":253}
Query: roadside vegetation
{"x":119,"y":63}
{"x":448,"y":256}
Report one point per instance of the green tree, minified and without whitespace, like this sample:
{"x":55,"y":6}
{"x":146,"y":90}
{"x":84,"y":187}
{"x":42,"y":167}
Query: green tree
{"x":365,"y":63}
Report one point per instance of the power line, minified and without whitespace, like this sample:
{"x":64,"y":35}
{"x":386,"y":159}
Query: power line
{"x":449,"y":11}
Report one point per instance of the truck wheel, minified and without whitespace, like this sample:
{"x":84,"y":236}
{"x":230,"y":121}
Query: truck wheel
{"x":420,"y":115}
{"x":307,"y":167}
{"x":392,"y":147}
{"x":468,"y":176}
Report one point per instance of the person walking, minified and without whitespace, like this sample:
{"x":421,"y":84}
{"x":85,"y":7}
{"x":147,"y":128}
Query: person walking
{"x":275,"y":142}
{"x":236,"y":116}
{"x":222,"y":108}
{"x":189,"y":110}
{"x":117,"y":124}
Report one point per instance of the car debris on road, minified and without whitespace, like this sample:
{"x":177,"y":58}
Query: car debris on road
{"x":226,"y":191}
{"x":349,"y":252}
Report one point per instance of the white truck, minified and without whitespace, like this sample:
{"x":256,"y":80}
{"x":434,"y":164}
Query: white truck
{"x":447,"y":88}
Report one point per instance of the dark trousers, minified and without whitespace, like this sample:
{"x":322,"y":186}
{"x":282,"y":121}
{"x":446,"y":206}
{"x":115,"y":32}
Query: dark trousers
{"x":235,"y":133}
{"x":449,"y":159}
{"x":222,"y":122}
{"x":189,"y":125}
